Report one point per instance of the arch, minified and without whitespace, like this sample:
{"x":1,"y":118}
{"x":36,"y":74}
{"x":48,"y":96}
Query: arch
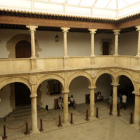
{"x":15,"y":39}
{"x":49,"y":77}
{"x":77,"y":74}
{"x":104,"y":72}
{"x":13,"y":80}
{"x":119,"y":74}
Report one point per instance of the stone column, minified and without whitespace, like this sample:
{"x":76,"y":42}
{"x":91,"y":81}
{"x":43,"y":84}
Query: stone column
{"x":92,"y":32}
{"x":92,"y":103}
{"x":138,"y":50}
{"x":32,"y":30}
{"x":116,"y":32}
{"x":65,"y":108}
{"x":114,"y":111}
{"x":65,"y":30}
{"x":137,"y":110}
{"x":34,"y":110}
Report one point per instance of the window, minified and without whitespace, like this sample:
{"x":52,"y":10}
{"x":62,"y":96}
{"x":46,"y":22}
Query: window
{"x":54,"y":87}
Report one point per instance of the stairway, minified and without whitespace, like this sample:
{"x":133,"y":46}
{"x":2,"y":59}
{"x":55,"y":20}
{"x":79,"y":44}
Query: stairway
{"x":24,"y":111}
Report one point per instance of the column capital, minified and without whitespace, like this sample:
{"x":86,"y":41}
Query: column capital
{"x":65,"y":29}
{"x":138,"y":28}
{"x":33,"y":95}
{"x":32,"y":28}
{"x":92,"y":88}
{"x":115,"y":84}
{"x":92,"y":31}
{"x":116,"y":32}
{"x":65,"y":91}
{"x":136,"y":93}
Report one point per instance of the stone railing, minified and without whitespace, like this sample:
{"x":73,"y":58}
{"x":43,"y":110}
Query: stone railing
{"x":25,"y":65}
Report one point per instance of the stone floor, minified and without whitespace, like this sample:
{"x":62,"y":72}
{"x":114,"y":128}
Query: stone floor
{"x":106,"y":127}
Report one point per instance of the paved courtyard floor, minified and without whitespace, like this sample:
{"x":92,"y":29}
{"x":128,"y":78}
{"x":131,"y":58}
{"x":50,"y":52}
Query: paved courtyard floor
{"x":106,"y":127}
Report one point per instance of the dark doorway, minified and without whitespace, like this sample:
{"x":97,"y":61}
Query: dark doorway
{"x":23,"y":49}
{"x":105,"y":48}
{"x":22,"y":94}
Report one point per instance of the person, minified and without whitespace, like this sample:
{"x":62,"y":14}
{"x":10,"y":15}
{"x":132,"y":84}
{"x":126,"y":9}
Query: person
{"x":124,"y":99}
{"x":110,"y":100}
{"x":60,"y":102}
{"x":72,"y":101}
{"x":99,"y":97}
{"x":118,"y":102}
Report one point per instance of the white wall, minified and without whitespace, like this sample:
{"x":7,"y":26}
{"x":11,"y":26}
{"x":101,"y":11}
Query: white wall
{"x":128,"y":43}
{"x":5,"y":107}
{"x":78,"y":43}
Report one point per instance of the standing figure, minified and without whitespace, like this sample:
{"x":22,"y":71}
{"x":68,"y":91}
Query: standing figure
{"x":124,"y":99}
{"x":72,"y":101}
{"x":60,"y":102}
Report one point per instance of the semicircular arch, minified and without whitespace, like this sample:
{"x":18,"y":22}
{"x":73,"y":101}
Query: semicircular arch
{"x":15,"y":80}
{"x":51,"y":77}
{"x":105,"y":72}
{"x":78,"y":74}
{"x":128,"y":75}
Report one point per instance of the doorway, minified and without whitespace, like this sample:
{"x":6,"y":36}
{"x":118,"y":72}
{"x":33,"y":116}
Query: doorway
{"x":22,"y":94}
{"x":23,"y":49}
{"x":105,"y":48}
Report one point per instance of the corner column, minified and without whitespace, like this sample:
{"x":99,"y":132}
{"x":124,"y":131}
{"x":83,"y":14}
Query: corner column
{"x":34,"y":110}
{"x":115,"y":98}
{"x":92,"y":32}
{"x":116,"y":32}
{"x":65,"y":108}
{"x":32,"y":30}
{"x":138,"y":50}
{"x":92,"y":103}
{"x":137,"y":110}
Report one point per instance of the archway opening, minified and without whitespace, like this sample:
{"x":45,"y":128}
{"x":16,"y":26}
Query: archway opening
{"x":103,"y":89}
{"x":48,"y":93}
{"x":23,"y":49}
{"x":80,"y":91}
{"x":14,"y":96}
{"x":22,"y":94}
{"x":126,"y":88}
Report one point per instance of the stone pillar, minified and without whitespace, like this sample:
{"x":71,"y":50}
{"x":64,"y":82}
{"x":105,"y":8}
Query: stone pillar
{"x":65,"y":30}
{"x":32,"y":30}
{"x":92,"y":103}
{"x":116,"y":32}
{"x":92,"y":32}
{"x":34,"y":110}
{"x":65,"y":108}
{"x":114,"y":111}
{"x":137,"y":110}
{"x":138,"y":50}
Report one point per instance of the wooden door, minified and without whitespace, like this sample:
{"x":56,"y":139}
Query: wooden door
{"x":22,"y":94}
{"x":23,"y":49}
{"x":105,"y":48}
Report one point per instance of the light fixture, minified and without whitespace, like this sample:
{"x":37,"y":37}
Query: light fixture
{"x":56,"y":38}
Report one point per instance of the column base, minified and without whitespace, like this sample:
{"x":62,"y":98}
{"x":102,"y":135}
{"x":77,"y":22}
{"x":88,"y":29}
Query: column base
{"x":116,"y":54}
{"x":66,"y":124}
{"x":138,"y":55}
{"x":91,"y":118}
{"x":34,"y":132}
{"x":114,"y":113}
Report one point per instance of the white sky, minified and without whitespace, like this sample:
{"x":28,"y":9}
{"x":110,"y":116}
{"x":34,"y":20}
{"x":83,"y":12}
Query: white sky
{"x":91,"y":8}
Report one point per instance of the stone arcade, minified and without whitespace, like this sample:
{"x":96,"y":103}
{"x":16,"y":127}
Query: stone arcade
{"x":79,"y":53}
